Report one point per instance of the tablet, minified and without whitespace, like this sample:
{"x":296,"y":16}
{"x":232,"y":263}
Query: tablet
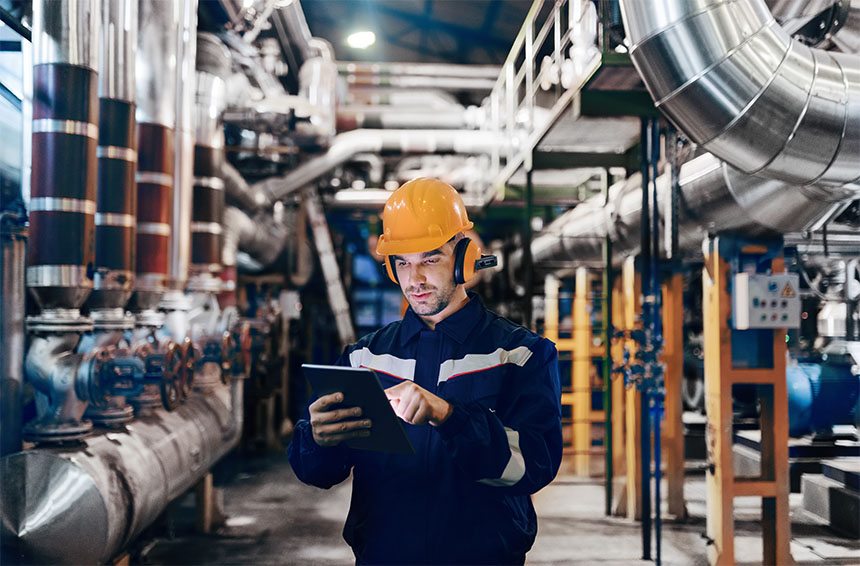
{"x":361,"y":388}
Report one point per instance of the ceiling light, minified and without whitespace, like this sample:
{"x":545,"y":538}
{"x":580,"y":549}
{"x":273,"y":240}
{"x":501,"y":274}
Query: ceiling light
{"x":361,"y":39}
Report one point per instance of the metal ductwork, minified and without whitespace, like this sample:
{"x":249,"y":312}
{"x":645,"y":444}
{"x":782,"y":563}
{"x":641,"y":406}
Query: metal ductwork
{"x":261,"y":237}
{"x":715,"y":197}
{"x":739,"y":86}
{"x":62,"y":506}
{"x":347,"y":145}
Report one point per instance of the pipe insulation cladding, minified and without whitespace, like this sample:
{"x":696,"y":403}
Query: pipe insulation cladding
{"x":727,"y":75}
{"x":65,"y":136}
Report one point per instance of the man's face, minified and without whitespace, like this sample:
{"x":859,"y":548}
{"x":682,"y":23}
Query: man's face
{"x":427,"y":279}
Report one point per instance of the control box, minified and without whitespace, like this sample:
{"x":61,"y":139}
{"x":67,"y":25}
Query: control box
{"x":765,"y":301}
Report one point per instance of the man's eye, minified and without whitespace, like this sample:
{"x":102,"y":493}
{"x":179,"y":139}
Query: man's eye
{"x":401,"y":264}
{"x":431,"y":261}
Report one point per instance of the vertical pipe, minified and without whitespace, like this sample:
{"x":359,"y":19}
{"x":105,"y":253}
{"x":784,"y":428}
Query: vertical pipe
{"x":115,"y":219}
{"x":644,"y":414}
{"x":656,"y":326}
{"x":13,"y":247}
{"x":183,"y":169}
{"x":213,"y":62}
{"x":606,"y":314}
{"x":528,"y":267}
{"x":63,"y":177}
{"x":156,"y":75}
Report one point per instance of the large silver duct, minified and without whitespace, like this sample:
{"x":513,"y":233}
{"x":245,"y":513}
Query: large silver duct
{"x":260,"y":237}
{"x":715,"y":197}
{"x":82,"y":506}
{"x":347,"y":145}
{"x":738,"y":85}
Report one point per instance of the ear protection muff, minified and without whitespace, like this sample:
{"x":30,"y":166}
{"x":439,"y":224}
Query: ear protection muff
{"x":466,"y":252}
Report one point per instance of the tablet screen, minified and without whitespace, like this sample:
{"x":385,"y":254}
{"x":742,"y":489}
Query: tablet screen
{"x":361,"y":388}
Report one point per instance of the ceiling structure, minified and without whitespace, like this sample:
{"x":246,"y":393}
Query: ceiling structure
{"x":440,"y":31}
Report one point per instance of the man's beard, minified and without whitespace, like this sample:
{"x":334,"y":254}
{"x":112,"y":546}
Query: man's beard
{"x":437,"y":302}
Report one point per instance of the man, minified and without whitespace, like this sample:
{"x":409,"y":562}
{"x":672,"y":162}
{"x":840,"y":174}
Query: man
{"x":480,"y":396}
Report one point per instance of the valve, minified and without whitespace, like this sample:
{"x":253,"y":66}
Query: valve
{"x":228,"y":356}
{"x":189,"y":365}
{"x":170,"y":375}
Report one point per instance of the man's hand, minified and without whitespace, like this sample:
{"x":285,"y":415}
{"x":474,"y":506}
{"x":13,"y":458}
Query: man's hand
{"x":416,"y":405}
{"x":332,"y":426}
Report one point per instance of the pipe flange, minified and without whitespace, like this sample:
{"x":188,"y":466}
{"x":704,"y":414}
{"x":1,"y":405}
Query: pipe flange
{"x":56,"y":433}
{"x":59,"y":321}
{"x":149,"y":319}
{"x":111,"y":319}
{"x":110,"y":416}
{"x":204,"y":283}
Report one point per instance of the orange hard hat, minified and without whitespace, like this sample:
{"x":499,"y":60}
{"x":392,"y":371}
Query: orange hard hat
{"x":420,"y":216}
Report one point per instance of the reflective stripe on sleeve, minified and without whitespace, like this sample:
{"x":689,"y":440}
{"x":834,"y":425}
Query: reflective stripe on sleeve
{"x":516,"y":468}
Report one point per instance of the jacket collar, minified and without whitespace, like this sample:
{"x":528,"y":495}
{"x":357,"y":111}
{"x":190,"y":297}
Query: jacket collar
{"x":458,"y":326}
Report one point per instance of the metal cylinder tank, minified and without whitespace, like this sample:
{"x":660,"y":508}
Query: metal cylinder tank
{"x":65,"y":136}
{"x":115,"y":219}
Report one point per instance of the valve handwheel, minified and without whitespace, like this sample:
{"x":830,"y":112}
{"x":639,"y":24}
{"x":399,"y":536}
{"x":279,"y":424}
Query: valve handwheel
{"x":189,"y":364}
{"x":171,"y":396}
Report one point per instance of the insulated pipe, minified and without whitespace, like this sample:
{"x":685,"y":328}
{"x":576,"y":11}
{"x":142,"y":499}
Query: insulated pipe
{"x":156,"y":77}
{"x":65,"y":133}
{"x":715,"y":198}
{"x":83,"y":505}
{"x":419,"y":69}
{"x":179,"y":254}
{"x":388,"y":118}
{"x":346,"y":145}
{"x":213,"y":63}
{"x":115,"y":219}
{"x":260,"y":237}
{"x":727,"y":75}
{"x":239,"y":193}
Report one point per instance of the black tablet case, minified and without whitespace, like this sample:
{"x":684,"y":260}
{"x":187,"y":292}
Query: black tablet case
{"x":361,"y":388}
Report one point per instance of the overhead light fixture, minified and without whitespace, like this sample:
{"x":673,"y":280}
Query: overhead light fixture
{"x":361,"y":39}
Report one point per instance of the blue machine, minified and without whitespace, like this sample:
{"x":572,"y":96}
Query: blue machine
{"x":821,"y":395}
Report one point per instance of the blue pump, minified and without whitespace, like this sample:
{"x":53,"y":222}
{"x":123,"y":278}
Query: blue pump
{"x":821,"y":395}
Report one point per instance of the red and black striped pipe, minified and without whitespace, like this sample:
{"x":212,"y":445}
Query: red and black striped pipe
{"x":63,"y":185}
{"x":208,"y":210}
{"x":115,"y":218}
{"x":154,"y":200}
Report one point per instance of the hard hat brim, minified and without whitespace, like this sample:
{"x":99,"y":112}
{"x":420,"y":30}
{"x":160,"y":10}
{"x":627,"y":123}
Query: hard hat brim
{"x":416,"y":245}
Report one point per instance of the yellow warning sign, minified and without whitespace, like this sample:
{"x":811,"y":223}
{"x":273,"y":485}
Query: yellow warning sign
{"x":787,"y":290}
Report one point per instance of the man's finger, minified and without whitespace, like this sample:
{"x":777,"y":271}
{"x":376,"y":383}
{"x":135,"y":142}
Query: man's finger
{"x":396,"y":391}
{"x":326,"y":401}
{"x":322,"y":417}
{"x":334,"y":429}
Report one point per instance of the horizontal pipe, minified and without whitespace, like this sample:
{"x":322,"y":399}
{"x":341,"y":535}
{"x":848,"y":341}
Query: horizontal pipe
{"x":419,"y":69}
{"x":715,"y":198}
{"x":345,"y":146}
{"x":84,"y":505}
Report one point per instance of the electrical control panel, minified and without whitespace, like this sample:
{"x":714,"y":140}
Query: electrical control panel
{"x":765,"y":301}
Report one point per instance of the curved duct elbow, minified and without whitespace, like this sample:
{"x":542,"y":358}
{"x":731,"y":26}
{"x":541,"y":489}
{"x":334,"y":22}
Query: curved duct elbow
{"x":737,"y":84}
{"x":260,"y":237}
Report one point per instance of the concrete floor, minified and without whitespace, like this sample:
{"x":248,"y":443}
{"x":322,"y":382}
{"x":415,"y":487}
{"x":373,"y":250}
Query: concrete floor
{"x":272,"y":518}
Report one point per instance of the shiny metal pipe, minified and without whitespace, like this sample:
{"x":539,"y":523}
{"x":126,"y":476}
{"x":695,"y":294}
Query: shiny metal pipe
{"x":63,"y":175}
{"x":82,"y":506}
{"x":118,"y":45}
{"x":115,"y":220}
{"x":260,"y":237}
{"x":738,"y":85}
{"x":13,"y":254}
{"x":345,"y":146}
{"x":156,"y":63}
{"x":63,"y":32}
{"x":420,"y":69}
{"x":715,"y":196}
{"x":179,"y":254}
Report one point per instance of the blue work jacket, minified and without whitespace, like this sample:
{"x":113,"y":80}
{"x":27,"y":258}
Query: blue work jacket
{"x":464,"y":497}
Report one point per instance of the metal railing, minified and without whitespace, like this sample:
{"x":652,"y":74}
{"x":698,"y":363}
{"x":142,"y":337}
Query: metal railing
{"x":528,"y":98}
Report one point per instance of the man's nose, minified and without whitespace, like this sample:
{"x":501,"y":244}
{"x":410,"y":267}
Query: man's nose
{"x":416,"y":275}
